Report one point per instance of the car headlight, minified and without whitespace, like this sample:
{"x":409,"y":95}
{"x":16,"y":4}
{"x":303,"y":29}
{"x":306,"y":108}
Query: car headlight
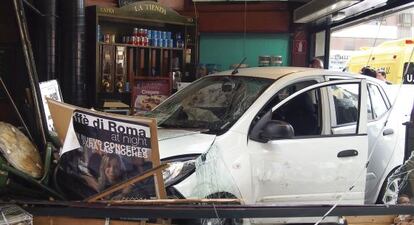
{"x":178,"y":171}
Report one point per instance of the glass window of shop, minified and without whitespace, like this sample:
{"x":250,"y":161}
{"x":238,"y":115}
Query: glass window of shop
{"x":383,"y":43}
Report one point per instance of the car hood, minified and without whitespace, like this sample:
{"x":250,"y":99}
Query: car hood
{"x":175,"y":142}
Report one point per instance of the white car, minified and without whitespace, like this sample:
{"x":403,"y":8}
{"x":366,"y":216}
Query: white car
{"x":277,"y":135}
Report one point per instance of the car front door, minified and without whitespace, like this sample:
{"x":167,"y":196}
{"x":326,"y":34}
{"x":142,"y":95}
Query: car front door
{"x":312,"y":164}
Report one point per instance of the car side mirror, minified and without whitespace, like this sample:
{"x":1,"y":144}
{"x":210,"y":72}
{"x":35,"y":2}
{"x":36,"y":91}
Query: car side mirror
{"x":276,"y":129}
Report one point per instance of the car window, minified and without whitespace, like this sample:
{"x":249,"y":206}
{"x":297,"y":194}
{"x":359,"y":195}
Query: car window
{"x":302,"y":112}
{"x":345,"y":99}
{"x":261,"y":119}
{"x":284,"y":93}
{"x":305,"y":112}
{"x":379,"y":106}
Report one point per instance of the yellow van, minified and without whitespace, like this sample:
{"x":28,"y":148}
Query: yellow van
{"x":391,"y":57}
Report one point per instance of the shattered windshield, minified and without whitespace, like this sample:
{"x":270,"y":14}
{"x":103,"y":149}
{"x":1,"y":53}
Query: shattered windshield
{"x":213,"y":103}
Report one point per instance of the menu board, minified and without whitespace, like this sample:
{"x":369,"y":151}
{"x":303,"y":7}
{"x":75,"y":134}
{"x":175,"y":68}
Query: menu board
{"x":149,"y":93}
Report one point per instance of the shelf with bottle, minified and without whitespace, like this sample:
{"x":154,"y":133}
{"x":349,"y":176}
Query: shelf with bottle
{"x":137,"y":46}
{"x":154,"y":50}
{"x":142,"y":37}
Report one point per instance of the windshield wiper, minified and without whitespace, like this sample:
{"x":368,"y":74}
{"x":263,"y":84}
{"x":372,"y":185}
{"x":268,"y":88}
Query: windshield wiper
{"x":163,"y":125}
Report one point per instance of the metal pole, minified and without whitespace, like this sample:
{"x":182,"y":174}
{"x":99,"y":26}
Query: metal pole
{"x":31,"y":69}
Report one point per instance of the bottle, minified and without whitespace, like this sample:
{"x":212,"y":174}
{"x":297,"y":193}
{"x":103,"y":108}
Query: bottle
{"x":98,"y":33}
{"x":176,"y":78}
{"x":153,"y":71}
{"x":127,"y":86}
{"x":176,"y":63}
{"x":188,"y":55}
{"x":179,"y":43}
{"x":178,"y":36}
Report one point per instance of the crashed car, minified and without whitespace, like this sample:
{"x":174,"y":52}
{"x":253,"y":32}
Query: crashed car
{"x":278,"y":135}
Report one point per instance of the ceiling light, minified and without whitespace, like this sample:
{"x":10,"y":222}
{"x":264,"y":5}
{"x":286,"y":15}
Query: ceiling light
{"x":316,"y":9}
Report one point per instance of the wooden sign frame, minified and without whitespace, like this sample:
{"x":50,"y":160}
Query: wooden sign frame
{"x":62,"y":114}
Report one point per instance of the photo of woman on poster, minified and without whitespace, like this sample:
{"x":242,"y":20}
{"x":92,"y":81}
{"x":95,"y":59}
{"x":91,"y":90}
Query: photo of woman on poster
{"x":112,"y":171}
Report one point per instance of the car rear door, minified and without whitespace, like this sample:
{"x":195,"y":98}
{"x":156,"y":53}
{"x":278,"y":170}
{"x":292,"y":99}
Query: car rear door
{"x":316,"y":165}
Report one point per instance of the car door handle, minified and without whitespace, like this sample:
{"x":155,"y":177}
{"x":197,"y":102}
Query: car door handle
{"x":388,"y":131}
{"x":347,"y":153}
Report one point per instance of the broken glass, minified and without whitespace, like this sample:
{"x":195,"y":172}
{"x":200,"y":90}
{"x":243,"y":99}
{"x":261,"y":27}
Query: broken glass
{"x":14,"y":215}
{"x":214,"y":179}
{"x":400,"y":185}
{"x":212,"y":104}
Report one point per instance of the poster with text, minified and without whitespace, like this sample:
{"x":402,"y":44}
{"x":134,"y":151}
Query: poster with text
{"x":50,"y":89}
{"x":109,"y":151}
{"x":150,"y":93}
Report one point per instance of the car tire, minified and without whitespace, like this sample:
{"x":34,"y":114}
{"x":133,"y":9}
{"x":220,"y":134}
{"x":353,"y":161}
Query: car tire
{"x":212,"y":221}
{"x":390,"y":190}
{"x":221,"y":221}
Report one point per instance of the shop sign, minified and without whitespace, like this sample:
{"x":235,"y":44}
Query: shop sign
{"x":107,"y":10}
{"x":145,"y":9}
{"x":338,"y":59}
{"x":138,"y":8}
{"x":151,"y":7}
{"x":409,"y":75}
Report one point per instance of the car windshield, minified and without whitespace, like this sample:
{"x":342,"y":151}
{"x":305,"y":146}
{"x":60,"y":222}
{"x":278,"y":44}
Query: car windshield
{"x":212,"y":104}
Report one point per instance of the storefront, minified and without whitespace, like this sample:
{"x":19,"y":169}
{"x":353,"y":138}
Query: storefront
{"x":381,"y":38}
{"x":277,"y":143}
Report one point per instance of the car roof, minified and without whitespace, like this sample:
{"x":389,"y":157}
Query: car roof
{"x":266,"y":72}
{"x":277,"y":72}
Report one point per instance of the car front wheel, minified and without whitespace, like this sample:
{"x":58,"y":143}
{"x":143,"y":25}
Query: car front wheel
{"x":221,"y":221}
{"x":391,"y":191}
